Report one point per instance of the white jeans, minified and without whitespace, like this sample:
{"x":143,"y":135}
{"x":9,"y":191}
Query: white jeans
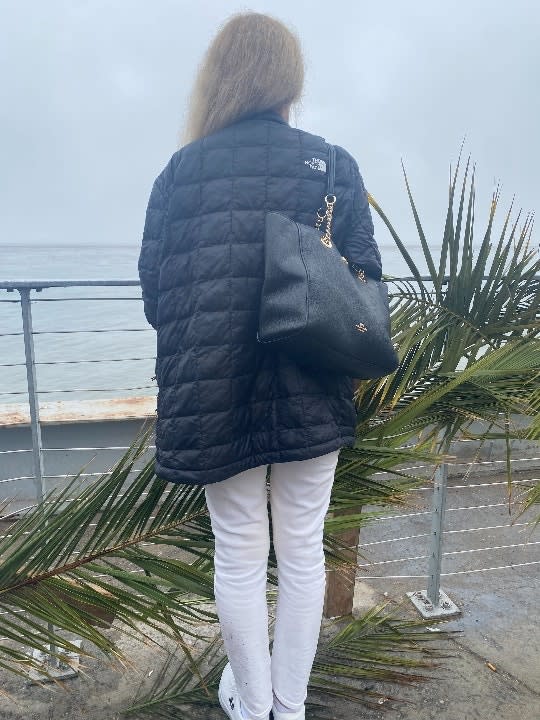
{"x":299,"y":498}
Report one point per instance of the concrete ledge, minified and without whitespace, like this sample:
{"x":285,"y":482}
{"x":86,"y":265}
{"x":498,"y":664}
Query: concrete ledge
{"x":79,"y":411}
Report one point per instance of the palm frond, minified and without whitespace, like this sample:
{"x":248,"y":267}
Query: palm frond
{"x":378,"y":646}
{"x":186,"y":679}
{"x":531,"y":499}
{"x":73,"y":560}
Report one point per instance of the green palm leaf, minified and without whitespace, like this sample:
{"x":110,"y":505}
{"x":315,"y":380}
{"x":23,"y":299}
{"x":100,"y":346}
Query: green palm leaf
{"x":376,"y":646}
{"x":57,"y":568}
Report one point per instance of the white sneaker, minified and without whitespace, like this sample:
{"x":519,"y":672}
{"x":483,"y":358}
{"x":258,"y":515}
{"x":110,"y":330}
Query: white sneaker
{"x":299,"y":715}
{"x":230,"y":700}
{"x":228,"y":694}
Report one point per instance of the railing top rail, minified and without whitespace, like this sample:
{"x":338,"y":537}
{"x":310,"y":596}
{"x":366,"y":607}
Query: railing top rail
{"x":35,"y":284}
{"x":38,"y":284}
{"x":41,"y":284}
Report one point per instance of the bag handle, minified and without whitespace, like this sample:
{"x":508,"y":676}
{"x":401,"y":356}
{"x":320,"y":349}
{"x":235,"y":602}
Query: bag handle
{"x":331,"y":170}
{"x":327,"y":213}
{"x":329,"y":199}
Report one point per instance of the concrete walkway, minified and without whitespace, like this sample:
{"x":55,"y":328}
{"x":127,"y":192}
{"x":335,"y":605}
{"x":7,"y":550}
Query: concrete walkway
{"x":500,"y":620}
{"x":500,"y":624}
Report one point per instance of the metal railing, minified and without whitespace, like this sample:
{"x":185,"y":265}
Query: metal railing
{"x":24,"y":288}
{"x":433,"y":601}
{"x":26,"y":300}
{"x":476,"y":530}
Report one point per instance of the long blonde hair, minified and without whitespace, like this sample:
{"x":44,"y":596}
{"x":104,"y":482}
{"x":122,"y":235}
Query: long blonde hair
{"x":254,"y":64}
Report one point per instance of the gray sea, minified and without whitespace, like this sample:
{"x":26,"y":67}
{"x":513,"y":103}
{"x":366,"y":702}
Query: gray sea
{"x":91,"y":342}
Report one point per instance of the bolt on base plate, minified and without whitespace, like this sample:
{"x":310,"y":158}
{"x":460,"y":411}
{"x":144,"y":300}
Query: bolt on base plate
{"x":56,"y":669}
{"x":445,"y":608}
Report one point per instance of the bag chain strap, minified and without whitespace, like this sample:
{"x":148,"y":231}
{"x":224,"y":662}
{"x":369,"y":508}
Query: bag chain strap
{"x":326,"y":239}
{"x":330,"y":201}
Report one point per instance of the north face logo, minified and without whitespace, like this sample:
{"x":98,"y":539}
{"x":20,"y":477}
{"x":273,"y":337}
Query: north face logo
{"x":316,"y":164}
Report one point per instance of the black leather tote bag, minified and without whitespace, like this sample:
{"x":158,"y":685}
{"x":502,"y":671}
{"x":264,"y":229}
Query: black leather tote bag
{"x":315,"y":306}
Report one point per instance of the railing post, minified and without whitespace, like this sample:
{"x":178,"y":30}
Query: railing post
{"x":37,"y":447}
{"x":435,"y":602}
{"x":56,"y":669}
{"x":437,"y":523}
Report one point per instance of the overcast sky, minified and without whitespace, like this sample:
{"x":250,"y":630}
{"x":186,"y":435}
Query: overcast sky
{"x":93,"y":95}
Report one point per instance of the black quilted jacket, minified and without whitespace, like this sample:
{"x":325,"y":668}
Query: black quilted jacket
{"x":225,"y":402}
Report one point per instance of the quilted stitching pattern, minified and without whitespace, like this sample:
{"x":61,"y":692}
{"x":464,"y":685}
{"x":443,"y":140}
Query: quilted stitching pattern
{"x":226,"y":403}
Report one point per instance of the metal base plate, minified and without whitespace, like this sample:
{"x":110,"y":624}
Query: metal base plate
{"x":56,"y":669}
{"x":445,"y":608}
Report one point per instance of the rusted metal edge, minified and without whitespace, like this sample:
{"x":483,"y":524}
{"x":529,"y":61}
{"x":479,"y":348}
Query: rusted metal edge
{"x":53,"y":413}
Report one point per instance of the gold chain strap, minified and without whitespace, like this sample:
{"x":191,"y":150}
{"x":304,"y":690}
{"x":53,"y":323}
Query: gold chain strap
{"x":326,"y":239}
{"x":330,"y":201}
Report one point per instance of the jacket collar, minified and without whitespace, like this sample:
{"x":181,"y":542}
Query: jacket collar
{"x":272,"y":115}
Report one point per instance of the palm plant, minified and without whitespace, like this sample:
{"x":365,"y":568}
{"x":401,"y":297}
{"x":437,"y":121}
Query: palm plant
{"x":81,"y":559}
{"x":469,"y":335}
{"x":470,"y":351}
{"x":468,"y":340}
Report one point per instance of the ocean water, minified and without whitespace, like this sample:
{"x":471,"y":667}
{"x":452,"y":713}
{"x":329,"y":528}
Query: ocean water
{"x":90,"y":342}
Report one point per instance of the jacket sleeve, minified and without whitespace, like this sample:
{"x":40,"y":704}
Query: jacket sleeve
{"x":361,"y":247}
{"x":148,"y":264}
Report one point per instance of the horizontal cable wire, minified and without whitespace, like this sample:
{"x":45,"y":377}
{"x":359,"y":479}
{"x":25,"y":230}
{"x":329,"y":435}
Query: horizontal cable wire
{"x":429,"y":512}
{"x":70,"y":390}
{"x":9,"y":452}
{"x":75,"y":332}
{"x":423,"y":489}
{"x":15,"y":512}
{"x":69,"y":299}
{"x":94,"y":474}
{"x":467,"y":572}
{"x":450,"y":552}
{"x":93,"y":360}
{"x":71,"y":449}
{"x":449,"y":487}
{"x":77,"y":362}
{"x":24,"y":477}
{"x":447,"y":574}
{"x":494,"y":462}
{"x":67,"y":500}
{"x":28,"y":532}
{"x":109,"y":447}
{"x":445,"y":532}
{"x":63,"y":477}
{"x":472,"y":485}
{"x":81,"y":449}
{"x":464,"y":462}
{"x":91,"y":330}
{"x":41,"y":284}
